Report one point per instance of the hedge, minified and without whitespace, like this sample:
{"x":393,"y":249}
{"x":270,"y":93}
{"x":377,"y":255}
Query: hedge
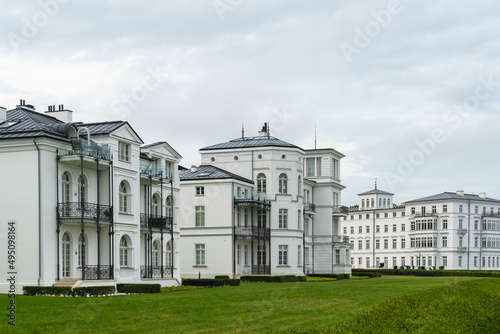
{"x":141,"y":288}
{"x":47,"y":291}
{"x":274,"y":279}
{"x":419,"y":272}
{"x":94,"y":291}
{"x":221,"y":277}
{"x":203,"y":282}
{"x":337,"y":276}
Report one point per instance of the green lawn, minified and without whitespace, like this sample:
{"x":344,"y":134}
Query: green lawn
{"x":250,"y":307}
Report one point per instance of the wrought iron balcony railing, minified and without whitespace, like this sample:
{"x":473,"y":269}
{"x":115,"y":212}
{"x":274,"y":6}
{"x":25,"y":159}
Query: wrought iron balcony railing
{"x":262,"y":269}
{"x":252,"y":231}
{"x":462,"y":230}
{"x":94,"y":272}
{"x":152,"y":221}
{"x":89,"y":211}
{"x":309,"y":207}
{"x":340,"y":209}
{"x":340,"y":238}
{"x":89,"y":148}
{"x":153,"y":170}
{"x":252,"y":196}
{"x":156,"y":272}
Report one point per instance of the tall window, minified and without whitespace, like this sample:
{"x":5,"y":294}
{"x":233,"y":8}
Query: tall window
{"x":81,"y":189}
{"x":124,"y":252}
{"x":283,"y":184}
{"x":169,"y":254}
{"x":124,"y":152}
{"x":299,"y":255}
{"x":283,"y":255}
{"x":200,"y":216}
{"x":200,"y":254}
{"x":66,"y":255}
{"x":261,"y":183}
{"x":81,"y":250}
{"x":261,"y":254}
{"x":123,"y":197}
{"x":262,"y":218}
{"x":306,"y":256}
{"x":313,"y":166}
{"x":66,"y":187}
{"x":168,"y":204}
{"x":283,"y":218}
{"x":156,"y":255}
{"x":156,"y":206}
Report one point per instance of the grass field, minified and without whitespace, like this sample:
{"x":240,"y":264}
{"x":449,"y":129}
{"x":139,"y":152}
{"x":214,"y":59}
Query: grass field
{"x":250,"y":307}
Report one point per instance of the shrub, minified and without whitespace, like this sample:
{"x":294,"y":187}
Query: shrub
{"x":94,"y":291}
{"x":47,"y":291}
{"x":221,"y":277}
{"x":233,"y":282}
{"x":204,"y":282}
{"x":275,"y":279}
{"x":141,"y":288}
{"x":337,"y":276}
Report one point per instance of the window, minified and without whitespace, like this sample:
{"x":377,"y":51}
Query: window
{"x":261,"y":183}
{"x":386,"y":214}
{"x":345,"y":230}
{"x":386,"y":243}
{"x":360,"y":260}
{"x":66,"y":255}
{"x":476,"y":242}
{"x":403,"y":227}
{"x":124,"y":252}
{"x":168,"y":205}
{"x":368,"y":244}
{"x":445,"y":241}
{"x":476,"y":223}
{"x":261,"y":254}
{"x":367,"y":262}
{"x":123,"y":198}
{"x":394,"y":243}
{"x":403,"y":243}
{"x":475,"y":261}
{"x":360,"y":244}
{"x":283,"y":255}
{"x":313,"y":167}
{"x":200,"y":191}
{"x":337,"y":256}
{"x":434,"y":209}
{"x":394,"y":261}
{"x":245,"y":255}
{"x":261,"y":218}
{"x":170,"y":261}
{"x":377,"y":228}
{"x":306,"y":256}
{"x":352,"y":229}
{"x":200,"y":216}
{"x":81,"y":250}
{"x":459,"y":261}
{"x":283,"y":184}
{"x":360,"y":229}
{"x":367,"y":228}
{"x":445,"y":261}
{"x":445,"y":208}
{"x":386,"y":228}
{"x":66,"y":188}
{"x":413,"y":211}
{"x":476,"y":209}
{"x":394,"y":228}
{"x":394,"y":214}
{"x":362,"y":204}
{"x":200,"y":254}
{"x":123,"y":152}
{"x":81,"y":189}
{"x":156,"y":206}
{"x":460,"y":208}
{"x":403,"y":261}
{"x":377,"y":215}
{"x":299,"y":255}
{"x":283,"y":218}
{"x":445,"y":224}
{"x":460,"y":241}
{"x":367,"y":216}
{"x":155,"y":258}
{"x":377,"y":244}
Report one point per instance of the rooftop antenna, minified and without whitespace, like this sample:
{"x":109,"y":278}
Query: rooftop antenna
{"x":242,"y":131}
{"x":314,"y":135}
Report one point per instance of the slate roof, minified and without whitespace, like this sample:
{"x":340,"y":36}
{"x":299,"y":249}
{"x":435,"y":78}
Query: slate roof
{"x":375,"y":192}
{"x":28,"y":123}
{"x":102,"y":128}
{"x":209,"y":172}
{"x":246,"y":142}
{"x":454,"y":196}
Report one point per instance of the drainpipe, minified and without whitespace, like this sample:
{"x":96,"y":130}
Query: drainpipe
{"x":39,"y":217}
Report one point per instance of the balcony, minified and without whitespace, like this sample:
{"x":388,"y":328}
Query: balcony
{"x":252,"y":198}
{"x":340,"y":210}
{"x":151,"y":169}
{"x":462,"y":230}
{"x":491,"y":215}
{"x":73,"y":212}
{"x":426,"y":214}
{"x":90,"y":149}
{"x":158,"y":222}
{"x":156,"y":272}
{"x":252,"y":232}
{"x":262,"y":269}
{"x":340,"y":239}
{"x":309,"y":208}
{"x":461,"y":249}
{"x":94,"y":272}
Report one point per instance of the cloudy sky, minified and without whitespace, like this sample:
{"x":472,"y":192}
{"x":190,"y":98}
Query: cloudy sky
{"x":408,"y":90}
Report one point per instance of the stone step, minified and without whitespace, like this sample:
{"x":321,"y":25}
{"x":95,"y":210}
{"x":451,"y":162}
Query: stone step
{"x":65,"y":283}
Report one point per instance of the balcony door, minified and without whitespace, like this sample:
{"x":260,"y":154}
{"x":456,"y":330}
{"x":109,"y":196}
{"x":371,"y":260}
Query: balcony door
{"x":66,"y":256}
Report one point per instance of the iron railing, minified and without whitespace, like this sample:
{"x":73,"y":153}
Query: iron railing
{"x":152,"y":221}
{"x":90,"y":149}
{"x":340,"y":238}
{"x":94,"y":272}
{"x":74,"y":210}
{"x":340,"y":209}
{"x":262,"y":269}
{"x":156,"y":272}
{"x":462,"y":230}
{"x":252,"y":196}
{"x":252,"y":231}
{"x":310,"y":207}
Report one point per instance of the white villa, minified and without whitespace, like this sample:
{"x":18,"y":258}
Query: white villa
{"x":259,"y":205}
{"x":452,"y":229}
{"x":91,"y":203}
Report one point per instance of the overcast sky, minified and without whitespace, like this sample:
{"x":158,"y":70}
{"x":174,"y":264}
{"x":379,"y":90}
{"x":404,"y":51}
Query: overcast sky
{"x":408,"y":90}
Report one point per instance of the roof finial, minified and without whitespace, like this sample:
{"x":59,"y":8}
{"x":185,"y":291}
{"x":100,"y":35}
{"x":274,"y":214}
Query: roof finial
{"x":375,"y":183}
{"x":242,"y":131}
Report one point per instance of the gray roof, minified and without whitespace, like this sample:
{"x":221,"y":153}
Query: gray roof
{"x":454,"y":196}
{"x":209,"y":172}
{"x":27,"y":123}
{"x":263,"y":141}
{"x":375,"y":192}
{"x":102,"y":128}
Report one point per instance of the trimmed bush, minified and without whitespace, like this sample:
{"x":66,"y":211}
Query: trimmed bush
{"x":233,"y":282}
{"x":94,"y":291}
{"x":337,"y":276}
{"x":203,"y":282}
{"x":141,"y":288}
{"x":273,"y":279}
{"x":221,"y":277}
{"x":120,"y":288}
{"x":47,"y":291}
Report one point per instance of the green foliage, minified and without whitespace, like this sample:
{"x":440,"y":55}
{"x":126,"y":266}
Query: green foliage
{"x":320,"y":279}
{"x":141,"y":288}
{"x":221,"y":277}
{"x":420,"y":272}
{"x":204,"y":282}
{"x":94,"y":291}
{"x":337,"y":276}
{"x":181,"y":288}
{"x":47,"y":291}
{"x":273,"y":279}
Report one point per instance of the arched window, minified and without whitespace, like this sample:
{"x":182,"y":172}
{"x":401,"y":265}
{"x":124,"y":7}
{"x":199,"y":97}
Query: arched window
{"x":156,"y":255}
{"x":384,"y":203}
{"x":380,"y":202}
{"x":156,"y":206}
{"x":124,"y":252}
{"x":123,"y":198}
{"x":66,"y":183}
{"x":362,"y":204}
{"x":169,"y":253}
{"x":373,"y":203}
{"x":283,"y":184}
{"x":81,"y":189}
{"x":168,"y":205}
{"x":82,"y":250}
{"x":66,"y":255}
{"x":261,"y":183}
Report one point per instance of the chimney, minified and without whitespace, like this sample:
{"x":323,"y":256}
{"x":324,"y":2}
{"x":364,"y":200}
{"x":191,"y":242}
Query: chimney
{"x":482,"y":195}
{"x":194,"y":169}
{"x":22,"y":104}
{"x":64,"y":115}
{"x":460,"y":192}
{"x":3,"y":114}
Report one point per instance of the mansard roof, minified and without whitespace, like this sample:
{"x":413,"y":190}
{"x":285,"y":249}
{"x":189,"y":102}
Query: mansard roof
{"x":209,"y":172}
{"x":454,"y":196}
{"x":248,"y":142}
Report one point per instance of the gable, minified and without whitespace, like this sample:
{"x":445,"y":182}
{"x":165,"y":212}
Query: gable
{"x":126,"y":132}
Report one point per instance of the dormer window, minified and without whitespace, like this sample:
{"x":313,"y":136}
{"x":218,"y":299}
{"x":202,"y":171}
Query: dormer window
{"x":124,"y":152}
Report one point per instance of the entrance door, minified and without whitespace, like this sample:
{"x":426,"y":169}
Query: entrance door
{"x":66,"y":256}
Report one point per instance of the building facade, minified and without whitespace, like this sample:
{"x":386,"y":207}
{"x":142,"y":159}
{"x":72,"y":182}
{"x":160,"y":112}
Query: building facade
{"x":259,"y":205}
{"x":91,"y":203}
{"x":451,"y":230}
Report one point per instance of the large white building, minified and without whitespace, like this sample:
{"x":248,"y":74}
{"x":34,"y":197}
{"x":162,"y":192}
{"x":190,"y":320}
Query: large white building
{"x":89,"y":203}
{"x":259,"y":205}
{"x":452,"y":229}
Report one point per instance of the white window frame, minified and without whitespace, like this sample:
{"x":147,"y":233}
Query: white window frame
{"x":123,"y":151}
